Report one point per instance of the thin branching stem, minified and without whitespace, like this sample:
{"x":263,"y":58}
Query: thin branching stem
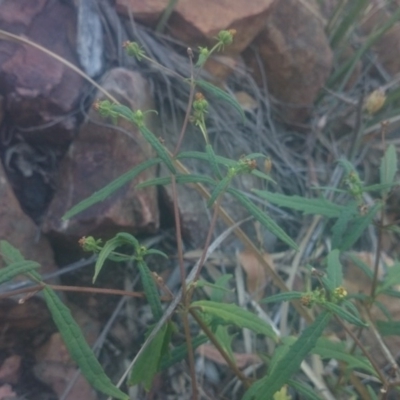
{"x":185,"y":297}
{"x":365,"y":352}
{"x":221,"y":350}
{"x":189,"y":105}
{"x":77,"y":289}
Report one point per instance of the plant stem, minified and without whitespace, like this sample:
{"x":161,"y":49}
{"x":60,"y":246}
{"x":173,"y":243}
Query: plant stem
{"x":221,"y":350}
{"x":189,"y":106}
{"x":185,"y":296}
{"x":365,"y":352}
{"x":80,"y":289}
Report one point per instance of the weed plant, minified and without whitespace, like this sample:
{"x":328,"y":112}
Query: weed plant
{"x":324,"y":299}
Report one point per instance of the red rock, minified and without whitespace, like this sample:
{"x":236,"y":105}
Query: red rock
{"x":198,"y":22}
{"x":101,"y":153}
{"x":39,"y":91}
{"x":147,"y":12}
{"x":296,"y":56}
{"x":20,"y":231}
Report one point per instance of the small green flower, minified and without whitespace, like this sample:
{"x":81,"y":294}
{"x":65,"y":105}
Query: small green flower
{"x":90,"y":244}
{"x":340,"y":293}
{"x":226,"y":37}
{"x":133,"y":49}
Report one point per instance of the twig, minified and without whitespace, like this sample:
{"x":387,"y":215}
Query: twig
{"x":185,"y":294}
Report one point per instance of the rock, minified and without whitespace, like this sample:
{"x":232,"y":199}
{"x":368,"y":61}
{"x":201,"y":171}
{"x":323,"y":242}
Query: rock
{"x":148,"y":12}
{"x":296,"y":58}
{"x":198,"y":22}
{"x":101,"y":153}
{"x":20,"y":231}
{"x":39,"y":91}
{"x":55,"y":368}
{"x":387,"y":47}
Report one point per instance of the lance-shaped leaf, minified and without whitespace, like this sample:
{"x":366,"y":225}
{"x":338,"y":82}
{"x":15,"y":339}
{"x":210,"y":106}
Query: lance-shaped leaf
{"x":388,"y":328}
{"x":108,"y":190}
{"x":158,"y":147}
{"x":290,"y":362}
{"x":212,"y":158}
{"x":221,"y":94}
{"x":388,"y":167}
{"x":338,"y":351}
{"x":306,"y":391}
{"x":307,"y":206}
{"x":77,"y":347}
{"x":357,"y":227}
{"x":120,"y":239}
{"x":150,"y":289}
{"x":219,"y":189}
{"x":334,"y":273}
{"x":180,"y":352}
{"x":17,"y":268}
{"x":285,"y":296}
{"x":148,"y":364}
{"x":9,"y":253}
{"x":263,"y":218}
{"x":342,"y":313}
{"x":233,"y":314}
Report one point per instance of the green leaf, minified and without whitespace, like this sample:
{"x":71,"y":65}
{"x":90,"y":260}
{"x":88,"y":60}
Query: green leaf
{"x":105,"y":192}
{"x":78,"y":348}
{"x":220,"y":287}
{"x":357,"y":227}
{"x":221,"y":94}
{"x":383,"y":308}
{"x":106,"y":252}
{"x":204,"y":157}
{"x":266,"y":387}
{"x":9,"y":253}
{"x":391,"y":292}
{"x":327,"y":349}
{"x":158,"y":147}
{"x":156,"y":252}
{"x":342,"y":223}
{"x":344,"y":72}
{"x":219,"y":189}
{"x":388,"y":167}
{"x":150,"y":289}
{"x":124,"y":112}
{"x":225,"y":340}
{"x":388,"y":328}
{"x":347,"y":304}
{"x":261,"y":175}
{"x":304,"y":390}
{"x":192,"y":178}
{"x":163,"y":181}
{"x":392,"y":278}
{"x":371,"y":393}
{"x":180,"y":352}
{"x":340,"y":312}
{"x":213,"y":161}
{"x":334,"y":273}
{"x":307,"y":206}
{"x":17,"y":268}
{"x":233,"y":314}
{"x":148,"y":363}
{"x":350,"y":15}
{"x":264,"y":219}
{"x":379,"y":187}
{"x":362,"y":265}
{"x":285,"y":296}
